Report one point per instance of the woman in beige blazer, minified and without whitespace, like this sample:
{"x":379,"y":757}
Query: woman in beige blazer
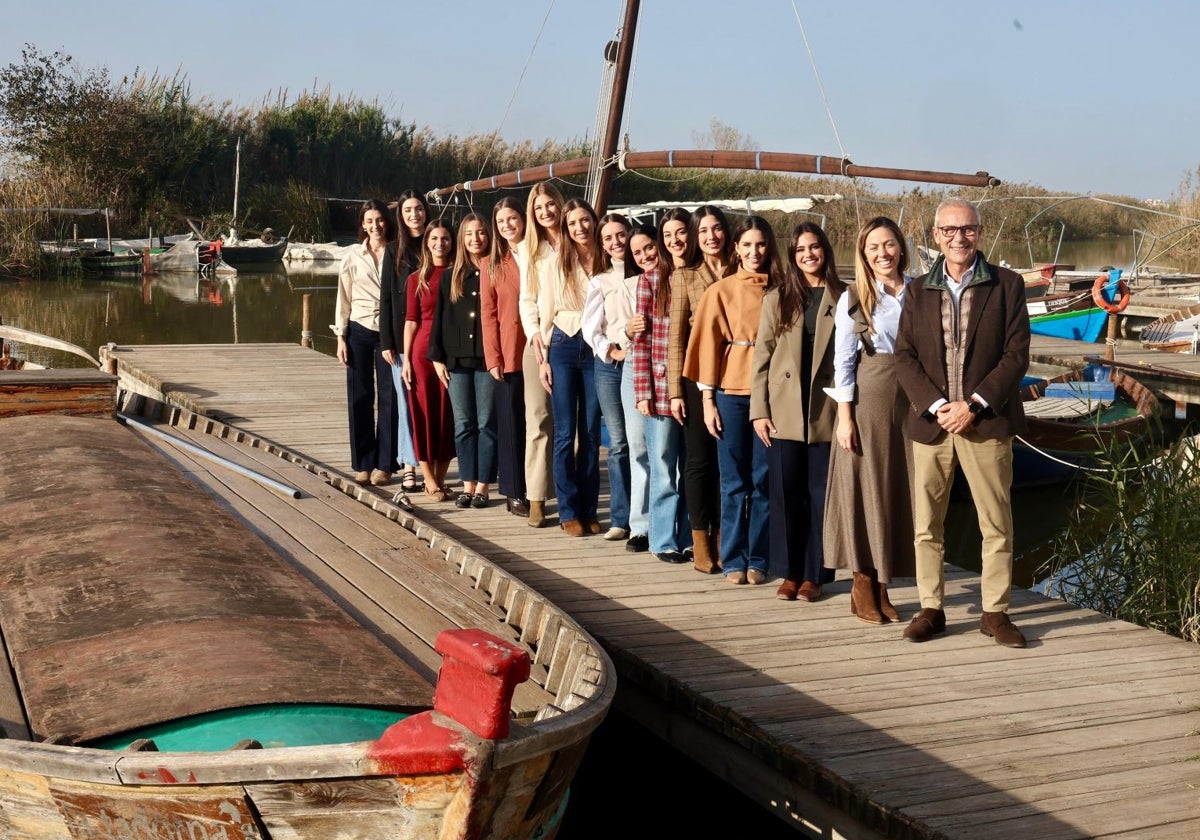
{"x":792,"y":414}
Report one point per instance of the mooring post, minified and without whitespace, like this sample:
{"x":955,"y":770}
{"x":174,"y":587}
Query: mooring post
{"x":305,"y":330}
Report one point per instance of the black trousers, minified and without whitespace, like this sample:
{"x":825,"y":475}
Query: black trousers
{"x":373,"y":415}
{"x":701,"y":474}
{"x":796,"y":474}
{"x":510,"y":434}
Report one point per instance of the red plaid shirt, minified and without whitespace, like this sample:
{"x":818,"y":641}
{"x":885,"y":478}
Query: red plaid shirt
{"x":650,"y":350}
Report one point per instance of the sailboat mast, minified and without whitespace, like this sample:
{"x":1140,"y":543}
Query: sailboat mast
{"x":237,"y":178}
{"x":616,"y":107}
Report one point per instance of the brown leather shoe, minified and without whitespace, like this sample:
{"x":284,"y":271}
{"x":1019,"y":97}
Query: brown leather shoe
{"x":1000,"y":627}
{"x":518,"y":507}
{"x":809,"y":591}
{"x":925,"y":625}
{"x":573,"y":527}
{"x":592,"y":526}
{"x":788,"y":590}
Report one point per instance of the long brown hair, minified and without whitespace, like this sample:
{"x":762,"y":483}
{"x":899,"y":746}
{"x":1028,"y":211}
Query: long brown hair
{"x":408,"y":247}
{"x":389,"y":223}
{"x":570,"y":259}
{"x":622,"y":220}
{"x":795,"y":296}
{"x":773,"y":270}
{"x":864,"y":278}
{"x":662,"y":292}
{"x":677,"y":214}
{"x":500,"y":247}
{"x":694,"y":256}
{"x":427,"y":265}
{"x":464,"y":263}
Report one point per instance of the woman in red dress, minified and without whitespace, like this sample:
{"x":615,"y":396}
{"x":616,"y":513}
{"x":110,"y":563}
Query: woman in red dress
{"x":429,"y":403}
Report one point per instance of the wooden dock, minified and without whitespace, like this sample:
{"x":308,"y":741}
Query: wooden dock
{"x":840,"y":728}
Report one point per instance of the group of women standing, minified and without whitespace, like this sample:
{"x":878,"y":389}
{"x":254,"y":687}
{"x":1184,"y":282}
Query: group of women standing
{"x":751,"y":412}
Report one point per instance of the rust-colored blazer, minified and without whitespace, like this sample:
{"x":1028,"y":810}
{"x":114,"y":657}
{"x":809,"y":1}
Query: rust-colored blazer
{"x":503,"y":337}
{"x":996,"y":357}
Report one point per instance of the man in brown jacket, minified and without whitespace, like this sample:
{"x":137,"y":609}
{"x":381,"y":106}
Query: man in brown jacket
{"x":961,"y":351}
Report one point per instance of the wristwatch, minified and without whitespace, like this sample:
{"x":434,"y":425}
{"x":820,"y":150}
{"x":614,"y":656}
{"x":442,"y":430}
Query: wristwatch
{"x":976,"y":408}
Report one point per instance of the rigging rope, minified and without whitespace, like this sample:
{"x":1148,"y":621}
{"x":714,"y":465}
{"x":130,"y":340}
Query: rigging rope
{"x":829,"y":111}
{"x":521,"y":78}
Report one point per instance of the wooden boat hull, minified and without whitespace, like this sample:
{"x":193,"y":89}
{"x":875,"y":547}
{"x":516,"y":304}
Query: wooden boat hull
{"x":1178,"y":332}
{"x":466,"y":767}
{"x":1057,"y":450}
{"x":236,"y":255}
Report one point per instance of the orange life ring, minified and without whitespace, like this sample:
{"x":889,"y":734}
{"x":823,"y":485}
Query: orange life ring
{"x":1122,"y":299}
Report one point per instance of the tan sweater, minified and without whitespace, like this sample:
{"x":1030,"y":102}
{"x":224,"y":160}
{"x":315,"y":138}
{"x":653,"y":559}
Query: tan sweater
{"x":720,"y":351}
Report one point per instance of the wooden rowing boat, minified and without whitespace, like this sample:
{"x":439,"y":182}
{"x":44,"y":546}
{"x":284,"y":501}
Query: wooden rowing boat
{"x":215,"y":664}
{"x":1072,"y":422}
{"x":1178,"y":332}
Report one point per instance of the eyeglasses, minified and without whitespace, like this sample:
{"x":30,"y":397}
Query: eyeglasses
{"x":950,"y":231}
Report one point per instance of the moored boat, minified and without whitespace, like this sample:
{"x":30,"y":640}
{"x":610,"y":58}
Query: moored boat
{"x":1073,"y":420}
{"x":1178,"y":332}
{"x":141,"y":616}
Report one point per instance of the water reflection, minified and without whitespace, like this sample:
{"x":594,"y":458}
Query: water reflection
{"x":178,"y":308}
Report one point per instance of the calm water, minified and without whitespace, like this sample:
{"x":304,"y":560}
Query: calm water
{"x":624,"y":763}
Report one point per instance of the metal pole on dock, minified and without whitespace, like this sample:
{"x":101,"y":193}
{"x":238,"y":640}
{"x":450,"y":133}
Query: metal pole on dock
{"x":306,"y":337}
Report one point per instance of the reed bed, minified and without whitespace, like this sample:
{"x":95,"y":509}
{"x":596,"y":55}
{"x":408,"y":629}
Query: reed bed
{"x":157,"y":155}
{"x":1130,"y":550}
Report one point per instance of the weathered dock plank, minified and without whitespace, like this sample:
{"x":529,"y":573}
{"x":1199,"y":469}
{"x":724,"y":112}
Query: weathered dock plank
{"x":830,"y":723}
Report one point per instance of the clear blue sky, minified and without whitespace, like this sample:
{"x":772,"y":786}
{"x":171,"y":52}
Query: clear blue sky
{"x":1076,"y":96}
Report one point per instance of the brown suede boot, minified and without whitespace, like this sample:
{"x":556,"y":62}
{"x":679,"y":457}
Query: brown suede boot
{"x":881,"y":598}
{"x":702,"y":558}
{"x":862,"y":600}
{"x":715,"y":547}
{"x":885,"y":606}
{"x":537,"y":513}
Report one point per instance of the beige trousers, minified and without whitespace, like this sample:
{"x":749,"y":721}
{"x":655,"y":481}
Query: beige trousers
{"x":987,"y":465}
{"x":539,"y":432}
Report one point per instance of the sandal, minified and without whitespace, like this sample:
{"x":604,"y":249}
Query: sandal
{"x":408,"y":480}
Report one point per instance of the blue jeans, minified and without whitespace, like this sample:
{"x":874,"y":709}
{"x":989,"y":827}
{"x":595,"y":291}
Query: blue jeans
{"x":669,"y":524}
{"x":744,"y":488}
{"x":608,"y":393}
{"x":639,"y":460}
{"x":405,"y":453}
{"x":472,"y":399}
{"x":576,"y":414}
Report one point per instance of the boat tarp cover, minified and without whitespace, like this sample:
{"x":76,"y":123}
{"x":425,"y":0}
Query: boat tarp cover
{"x":129,"y":596}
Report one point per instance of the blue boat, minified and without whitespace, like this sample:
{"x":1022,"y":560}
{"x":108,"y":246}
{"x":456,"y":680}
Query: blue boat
{"x":1080,"y":324}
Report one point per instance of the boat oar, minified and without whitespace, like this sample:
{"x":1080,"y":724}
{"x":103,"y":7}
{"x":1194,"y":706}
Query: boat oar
{"x":271,"y":483}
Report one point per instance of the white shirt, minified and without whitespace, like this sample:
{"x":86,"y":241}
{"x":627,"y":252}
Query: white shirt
{"x":358,"y":291}
{"x":609,"y":307}
{"x":885,"y":317}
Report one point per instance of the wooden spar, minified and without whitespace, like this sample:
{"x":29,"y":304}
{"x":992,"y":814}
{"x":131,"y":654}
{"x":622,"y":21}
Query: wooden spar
{"x":616,"y":106}
{"x":718,"y":159}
